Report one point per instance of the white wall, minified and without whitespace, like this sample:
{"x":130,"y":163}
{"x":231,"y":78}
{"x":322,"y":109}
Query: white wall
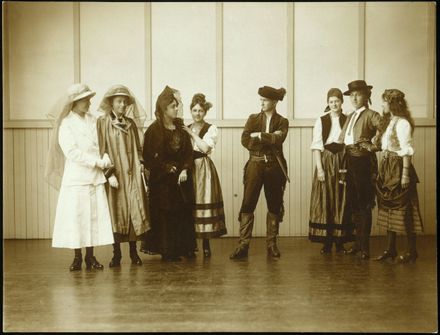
{"x":224,"y":50}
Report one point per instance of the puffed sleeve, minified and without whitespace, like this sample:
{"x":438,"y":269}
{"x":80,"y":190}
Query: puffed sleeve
{"x":211,"y":136}
{"x":70,"y":149}
{"x":317,"y":143}
{"x":403,"y":131}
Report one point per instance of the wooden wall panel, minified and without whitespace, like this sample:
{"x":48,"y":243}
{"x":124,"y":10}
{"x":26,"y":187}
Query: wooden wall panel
{"x":430,"y":219}
{"x":30,"y":203}
{"x":8,"y":184}
{"x":20,"y":183}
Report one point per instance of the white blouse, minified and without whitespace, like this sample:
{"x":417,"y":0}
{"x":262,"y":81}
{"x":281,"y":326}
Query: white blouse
{"x":209,"y":138}
{"x":335,"y":131}
{"x":404,"y":137}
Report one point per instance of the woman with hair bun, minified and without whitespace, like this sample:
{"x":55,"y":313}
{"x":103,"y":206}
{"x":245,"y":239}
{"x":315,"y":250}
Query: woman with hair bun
{"x":396,"y":186}
{"x":208,"y":207}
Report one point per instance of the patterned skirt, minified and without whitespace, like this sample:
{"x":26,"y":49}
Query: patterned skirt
{"x":326,"y":218}
{"x":208,"y":210}
{"x":398,"y":207}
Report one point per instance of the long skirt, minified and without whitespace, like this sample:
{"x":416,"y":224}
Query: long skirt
{"x":398,"y":207}
{"x":172,"y":223}
{"x":82,"y":217}
{"x":326,"y":222}
{"x":208,"y":210}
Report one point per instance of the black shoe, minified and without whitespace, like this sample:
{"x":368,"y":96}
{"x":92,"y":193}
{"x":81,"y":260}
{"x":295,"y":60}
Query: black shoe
{"x":115,"y":262}
{"x":76,"y":264}
{"x":408,"y":257}
{"x":352,"y":251}
{"x":273,"y":251}
{"x":387,"y":254}
{"x":135,"y":259}
{"x":365,"y":255}
{"x":239,"y":253}
{"x":91,"y":262}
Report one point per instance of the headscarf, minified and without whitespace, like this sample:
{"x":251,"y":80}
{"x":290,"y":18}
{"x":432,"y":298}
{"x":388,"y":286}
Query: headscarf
{"x":134,"y":109}
{"x":54,"y":169}
{"x":165,"y":98}
{"x":333,"y":92}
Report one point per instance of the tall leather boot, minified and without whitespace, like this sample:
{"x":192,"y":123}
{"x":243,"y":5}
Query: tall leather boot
{"x":356,"y":247}
{"x":117,"y":255}
{"x":411,"y":253}
{"x":272,"y":227}
{"x":391,"y":251}
{"x":366,"y":232}
{"x":246,"y":225}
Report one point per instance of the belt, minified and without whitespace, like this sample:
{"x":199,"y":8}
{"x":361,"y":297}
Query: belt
{"x":263,"y":158}
{"x":387,"y":154}
{"x":356,"y":151}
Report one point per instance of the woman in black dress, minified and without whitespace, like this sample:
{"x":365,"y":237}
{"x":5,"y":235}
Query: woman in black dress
{"x":168,"y":155}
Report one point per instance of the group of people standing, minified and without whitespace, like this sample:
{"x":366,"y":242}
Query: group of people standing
{"x":113,"y":189}
{"x":348,"y":180}
{"x":166,"y":192}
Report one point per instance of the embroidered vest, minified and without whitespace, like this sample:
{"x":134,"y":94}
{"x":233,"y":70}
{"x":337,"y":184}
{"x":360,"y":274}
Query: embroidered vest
{"x":393,"y":140}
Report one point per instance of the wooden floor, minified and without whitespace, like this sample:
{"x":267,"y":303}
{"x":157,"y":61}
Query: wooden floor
{"x":303,"y":291}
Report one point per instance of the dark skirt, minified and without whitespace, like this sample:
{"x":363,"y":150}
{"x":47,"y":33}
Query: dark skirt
{"x":398,"y":207}
{"x":208,"y":211}
{"x":326,"y":218}
{"x":172,"y":224}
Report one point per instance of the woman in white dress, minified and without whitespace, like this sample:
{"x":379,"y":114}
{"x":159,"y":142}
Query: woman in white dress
{"x":75,"y":167}
{"x":208,"y":209}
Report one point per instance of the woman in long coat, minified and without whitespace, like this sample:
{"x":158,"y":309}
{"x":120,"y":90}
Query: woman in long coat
{"x":396,"y":186}
{"x":75,"y":167}
{"x":326,"y":223}
{"x":208,"y":210}
{"x":119,"y":138}
{"x":168,"y":155}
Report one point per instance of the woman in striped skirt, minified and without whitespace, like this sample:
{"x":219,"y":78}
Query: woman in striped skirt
{"x":208,"y":208}
{"x":396,"y":185}
{"x":326,"y":224}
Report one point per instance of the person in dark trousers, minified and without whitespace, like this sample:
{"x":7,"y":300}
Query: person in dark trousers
{"x":360,"y":129}
{"x":263,"y":136}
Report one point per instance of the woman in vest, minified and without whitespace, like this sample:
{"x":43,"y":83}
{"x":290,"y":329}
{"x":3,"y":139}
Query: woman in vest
{"x":326,"y":225}
{"x":396,"y":186}
{"x":208,"y":208}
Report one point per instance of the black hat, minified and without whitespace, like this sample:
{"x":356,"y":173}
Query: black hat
{"x":272,"y":93}
{"x":358,"y":85}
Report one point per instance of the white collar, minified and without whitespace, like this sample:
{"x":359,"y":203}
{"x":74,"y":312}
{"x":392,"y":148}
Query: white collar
{"x":358,"y":111}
